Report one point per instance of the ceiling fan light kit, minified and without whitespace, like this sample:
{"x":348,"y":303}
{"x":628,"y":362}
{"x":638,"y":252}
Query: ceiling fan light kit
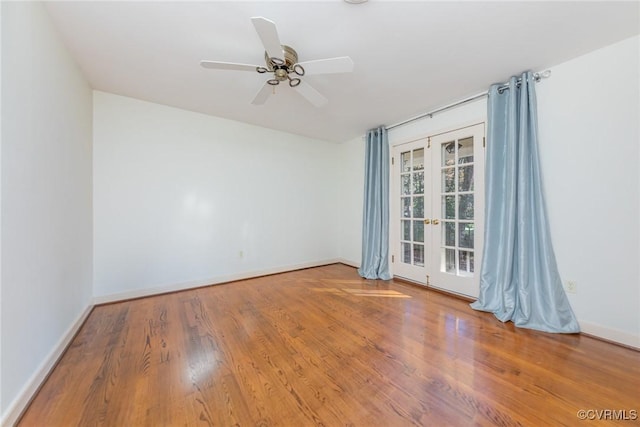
{"x":282,"y":61}
{"x":282,"y":69}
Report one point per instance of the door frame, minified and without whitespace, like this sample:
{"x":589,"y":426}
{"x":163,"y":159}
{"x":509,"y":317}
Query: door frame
{"x":394,"y":231}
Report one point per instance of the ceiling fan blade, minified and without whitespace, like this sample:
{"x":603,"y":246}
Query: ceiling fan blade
{"x":342,"y":64}
{"x":268,"y":33}
{"x":217,"y":65}
{"x":262,"y":95}
{"x":312,"y":95}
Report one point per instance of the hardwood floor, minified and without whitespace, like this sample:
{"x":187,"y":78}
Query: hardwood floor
{"x":325,"y":347}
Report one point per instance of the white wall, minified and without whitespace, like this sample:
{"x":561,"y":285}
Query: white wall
{"x":183,"y":199}
{"x":589,"y":145}
{"x":46,"y":198}
{"x":589,"y":120}
{"x":351,"y":200}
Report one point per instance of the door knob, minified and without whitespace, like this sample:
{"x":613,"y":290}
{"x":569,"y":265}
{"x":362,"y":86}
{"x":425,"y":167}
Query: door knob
{"x":435,"y":222}
{"x":427,"y":221}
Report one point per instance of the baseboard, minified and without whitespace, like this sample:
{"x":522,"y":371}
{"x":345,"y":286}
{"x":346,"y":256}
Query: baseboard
{"x":614,"y":336}
{"x":157,"y":290}
{"x":349,"y":263}
{"x":20,"y":403}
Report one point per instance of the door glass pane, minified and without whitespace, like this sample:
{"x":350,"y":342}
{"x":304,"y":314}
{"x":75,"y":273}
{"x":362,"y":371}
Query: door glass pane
{"x":406,"y":253}
{"x":448,"y":153}
{"x":449,"y":233}
{"x":405,"y":161}
{"x":406,"y":185}
{"x":465,"y":150}
{"x":418,"y":159}
{"x":418,"y":231}
{"x":465,"y":206}
{"x":449,"y":207}
{"x":418,"y":207}
{"x":406,"y":230}
{"x":450,"y":260}
{"x":418,"y":255}
{"x":465,"y":178}
{"x":465,"y":237}
{"x":418,"y":183}
{"x":406,"y":207}
{"x":448,"y":180}
{"x":466,"y":262}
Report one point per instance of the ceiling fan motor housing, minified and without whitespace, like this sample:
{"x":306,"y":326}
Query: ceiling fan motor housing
{"x":289,"y":60}
{"x":282,"y":67}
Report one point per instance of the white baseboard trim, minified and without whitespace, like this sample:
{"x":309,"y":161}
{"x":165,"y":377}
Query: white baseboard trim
{"x":348,"y":262}
{"x":19,"y":404}
{"x":609,"y":334}
{"x":163,"y":289}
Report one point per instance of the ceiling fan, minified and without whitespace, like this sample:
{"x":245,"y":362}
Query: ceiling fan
{"x":282,"y":66}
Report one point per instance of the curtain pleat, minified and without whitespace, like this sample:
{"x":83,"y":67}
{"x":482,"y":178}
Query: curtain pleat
{"x":519,"y":279}
{"x":375,"y":219}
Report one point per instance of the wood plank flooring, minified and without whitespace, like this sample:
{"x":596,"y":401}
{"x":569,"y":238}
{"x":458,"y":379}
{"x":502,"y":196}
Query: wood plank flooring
{"x":324,"y":347}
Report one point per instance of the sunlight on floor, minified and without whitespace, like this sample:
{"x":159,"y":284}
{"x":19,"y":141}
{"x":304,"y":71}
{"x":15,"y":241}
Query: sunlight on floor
{"x":363,"y":292}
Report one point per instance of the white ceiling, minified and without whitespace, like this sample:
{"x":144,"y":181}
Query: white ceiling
{"x":410,"y":57}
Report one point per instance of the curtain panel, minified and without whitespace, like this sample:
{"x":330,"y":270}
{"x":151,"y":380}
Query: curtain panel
{"x":519,"y":279}
{"x":375,"y":219}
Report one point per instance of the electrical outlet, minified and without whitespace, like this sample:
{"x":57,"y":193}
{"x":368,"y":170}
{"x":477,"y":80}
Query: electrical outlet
{"x":571,"y":287}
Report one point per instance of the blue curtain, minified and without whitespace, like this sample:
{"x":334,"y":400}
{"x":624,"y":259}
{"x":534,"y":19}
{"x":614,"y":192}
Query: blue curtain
{"x":375,"y":218}
{"x":519,"y":279}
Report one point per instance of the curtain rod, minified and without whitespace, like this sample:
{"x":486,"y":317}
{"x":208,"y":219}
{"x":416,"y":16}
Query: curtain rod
{"x":537,"y":77}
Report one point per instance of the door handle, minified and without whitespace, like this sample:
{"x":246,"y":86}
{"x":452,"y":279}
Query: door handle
{"x":435,"y":222}
{"x":427,"y":221}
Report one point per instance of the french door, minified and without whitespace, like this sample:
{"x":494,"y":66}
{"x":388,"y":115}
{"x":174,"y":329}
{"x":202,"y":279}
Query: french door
{"x":437,"y":209}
